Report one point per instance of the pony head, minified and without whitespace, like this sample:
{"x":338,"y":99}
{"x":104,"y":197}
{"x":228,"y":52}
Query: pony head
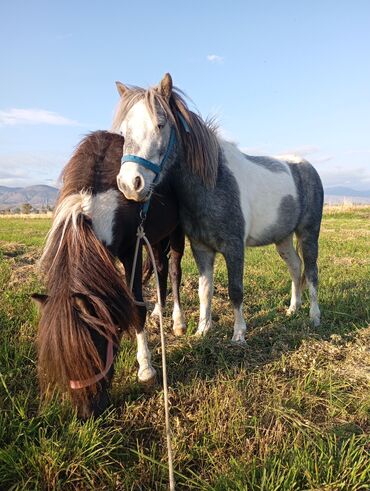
{"x":90,"y":395}
{"x":86,"y":311}
{"x":158,"y":127}
{"x":146,"y":129}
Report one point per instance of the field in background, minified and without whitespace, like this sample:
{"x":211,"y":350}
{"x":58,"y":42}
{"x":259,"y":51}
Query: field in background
{"x":289,"y":411}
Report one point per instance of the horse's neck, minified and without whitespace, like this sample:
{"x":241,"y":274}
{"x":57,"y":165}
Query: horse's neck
{"x":189,"y":189}
{"x":185,"y":182}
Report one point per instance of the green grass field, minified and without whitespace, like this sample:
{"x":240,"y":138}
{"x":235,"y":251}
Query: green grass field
{"x":288,"y":411}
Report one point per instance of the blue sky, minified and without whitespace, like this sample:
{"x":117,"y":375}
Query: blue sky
{"x":282,"y":76}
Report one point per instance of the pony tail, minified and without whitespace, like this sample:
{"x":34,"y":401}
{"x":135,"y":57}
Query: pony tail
{"x":87,"y":297}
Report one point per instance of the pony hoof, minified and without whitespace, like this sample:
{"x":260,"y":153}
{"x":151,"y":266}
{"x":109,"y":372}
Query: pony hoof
{"x":148,"y":377}
{"x":238,"y":339}
{"x":315,"y":321}
{"x":315,"y":315}
{"x":179,"y":331}
{"x":293,"y":309}
{"x":203,"y":328}
{"x":150,"y":382}
{"x":199,"y":334}
{"x":156,"y":311}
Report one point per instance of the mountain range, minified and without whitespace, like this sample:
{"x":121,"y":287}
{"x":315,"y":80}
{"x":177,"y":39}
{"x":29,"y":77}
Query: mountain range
{"x":347,"y":192}
{"x":40,"y":196}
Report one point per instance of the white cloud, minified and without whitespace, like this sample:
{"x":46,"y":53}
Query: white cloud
{"x":23,"y":169}
{"x":215,"y":58}
{"x":340,"y":175}
{"x":14,"y":116}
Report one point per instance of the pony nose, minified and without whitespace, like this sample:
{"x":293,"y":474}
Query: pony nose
{"x":121,"y":185}
{"x":138,"y":183}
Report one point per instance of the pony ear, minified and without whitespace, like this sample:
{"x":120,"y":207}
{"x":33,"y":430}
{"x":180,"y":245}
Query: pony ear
{"x":122,"y":89}
{"x":165,"y":87}
{"x":39,"y":299}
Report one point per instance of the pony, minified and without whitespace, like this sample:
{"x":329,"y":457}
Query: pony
{"x":227,"y":200}
{"x":88,"y":306}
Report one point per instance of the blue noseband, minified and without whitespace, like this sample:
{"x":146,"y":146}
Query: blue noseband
{"x":156,"y":168}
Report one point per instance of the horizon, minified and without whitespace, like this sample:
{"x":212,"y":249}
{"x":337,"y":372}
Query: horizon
{"x":286,"y":78}
{"x":58,"y":186}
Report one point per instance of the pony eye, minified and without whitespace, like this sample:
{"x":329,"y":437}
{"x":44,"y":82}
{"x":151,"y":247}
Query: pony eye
{"x":160,"y":126}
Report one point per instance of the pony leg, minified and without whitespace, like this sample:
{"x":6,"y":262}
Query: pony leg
{"x":235,"y":268}
{"x":161,"y":261}
{"x":177,"y":241}
{"x":205,"y":258}
{"x":146,"y":373}
{"x":310,"y":249}
{"x":289,"y":255}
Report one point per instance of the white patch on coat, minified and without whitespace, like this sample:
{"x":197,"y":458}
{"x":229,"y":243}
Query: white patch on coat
{"x":102,"y":210}
{"x":261,"y":190}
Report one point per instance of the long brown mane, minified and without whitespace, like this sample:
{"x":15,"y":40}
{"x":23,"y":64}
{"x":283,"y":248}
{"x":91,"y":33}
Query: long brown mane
{"x":86,"y":293}
{"x":200,"y":144}
{"x":98,"y":150}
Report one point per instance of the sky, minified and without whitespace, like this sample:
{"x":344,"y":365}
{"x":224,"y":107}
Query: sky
{"x":287,"y":76}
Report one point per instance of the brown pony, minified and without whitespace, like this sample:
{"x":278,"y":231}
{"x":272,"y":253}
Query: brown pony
{"x":88,"y":305}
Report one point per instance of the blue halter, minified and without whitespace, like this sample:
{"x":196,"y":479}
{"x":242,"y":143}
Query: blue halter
{"x":155,"y":167}
{"x":147,"y":163}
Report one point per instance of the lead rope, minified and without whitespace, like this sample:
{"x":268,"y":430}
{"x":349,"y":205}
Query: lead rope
{"x":141,"y":236}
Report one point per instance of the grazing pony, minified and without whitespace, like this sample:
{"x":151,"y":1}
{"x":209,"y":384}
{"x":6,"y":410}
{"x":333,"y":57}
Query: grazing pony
{"x":88,"y":305}
{"x":227,"y":200}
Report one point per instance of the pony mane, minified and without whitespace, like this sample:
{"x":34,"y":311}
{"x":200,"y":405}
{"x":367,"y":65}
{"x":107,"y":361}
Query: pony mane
{"x":86,"y":293}
{"x":199,"y":145}
{"x":98,"y":149}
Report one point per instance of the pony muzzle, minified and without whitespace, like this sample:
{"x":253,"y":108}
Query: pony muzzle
{"x":134,"y":182}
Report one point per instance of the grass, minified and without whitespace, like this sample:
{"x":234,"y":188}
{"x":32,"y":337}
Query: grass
{"x":25,"y":231}
{"x":289,"y":411}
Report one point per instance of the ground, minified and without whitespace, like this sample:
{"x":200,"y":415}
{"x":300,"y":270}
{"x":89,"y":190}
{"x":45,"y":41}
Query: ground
{"x":288,"y":411}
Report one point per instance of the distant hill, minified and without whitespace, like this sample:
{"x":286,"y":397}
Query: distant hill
{"x":347,"y":192}
{"x":38,"y":196}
